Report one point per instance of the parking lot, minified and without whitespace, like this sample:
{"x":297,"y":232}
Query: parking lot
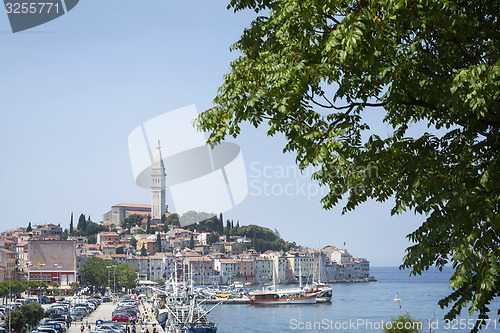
{"x":103,"y":312}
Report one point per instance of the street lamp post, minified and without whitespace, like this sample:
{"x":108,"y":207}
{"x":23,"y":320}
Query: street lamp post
{"x":60,"y":279}
{"x":10,"y":293}
{"x":114,"y":279}
{"x":40,"y":267}
{"x":58,"y":266}
{"x":109,"y":285}
{"x":41,"y":274}
{"x":29,"y":264}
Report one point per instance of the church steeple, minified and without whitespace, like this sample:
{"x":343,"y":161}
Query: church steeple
{"x":158,"y":186}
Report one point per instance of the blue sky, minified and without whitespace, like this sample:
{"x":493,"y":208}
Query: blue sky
{"x":73,"y":89}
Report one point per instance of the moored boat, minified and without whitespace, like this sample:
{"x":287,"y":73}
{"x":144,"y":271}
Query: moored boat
{"x":274,"y":297}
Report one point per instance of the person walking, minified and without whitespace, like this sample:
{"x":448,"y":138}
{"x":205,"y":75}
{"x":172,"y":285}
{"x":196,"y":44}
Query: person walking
{"x":82,"y":328}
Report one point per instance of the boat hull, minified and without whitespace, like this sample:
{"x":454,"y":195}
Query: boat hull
{"x":278,"y":299}
{"x":199,"y":330}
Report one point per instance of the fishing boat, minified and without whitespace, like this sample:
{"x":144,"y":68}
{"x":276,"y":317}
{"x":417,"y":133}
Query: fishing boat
{"x":189,"y":318}
{"x":325,"y":292}
{"x":182,"y":311}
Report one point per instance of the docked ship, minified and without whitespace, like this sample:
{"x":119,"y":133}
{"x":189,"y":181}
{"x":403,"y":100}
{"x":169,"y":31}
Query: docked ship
{"x":182,"y":311}
{"x":290,"y":296}
{"x":325,"y":292}
{"x":188,"y":318}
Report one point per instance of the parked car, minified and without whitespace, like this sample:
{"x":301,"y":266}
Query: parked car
{"x":56,"y":326}
{"x":43,"y":330}
{"x":123,"y":318}
{"x":77,"y":314}
{"x":111,"y":327}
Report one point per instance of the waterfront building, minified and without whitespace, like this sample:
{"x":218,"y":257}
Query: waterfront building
{"x":245,"y":270}
{"x":300,"y":264}
{"x":280,"y":267}
{"x":22,"y":253}
{"x":227,"y":270}
{"x":201,"y":269}
{"x":52,"y":261}
{"x":263,"y":269}
{"x":9,"y":261}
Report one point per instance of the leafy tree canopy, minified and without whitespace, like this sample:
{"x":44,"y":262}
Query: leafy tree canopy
{"x":126,"y":276}
{"x":94,"y":228}
{"x":33,"y":313}
{"x":404,"y":323}
{"x":95,"y":271}
{"x":209,"y":222}
{"x":133,"y":242}
{"x":314,"y":69}
{"x":132,"y":221}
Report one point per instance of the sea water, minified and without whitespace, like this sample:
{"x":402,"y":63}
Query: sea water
{"x":358,"y":307}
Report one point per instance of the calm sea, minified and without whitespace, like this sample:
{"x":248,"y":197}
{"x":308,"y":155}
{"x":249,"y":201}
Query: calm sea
{"x":356,"y":307}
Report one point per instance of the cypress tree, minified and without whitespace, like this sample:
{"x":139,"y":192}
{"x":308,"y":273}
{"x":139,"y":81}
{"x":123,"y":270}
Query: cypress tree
{"x":221,"y":225}
{"x":29,"y":228}
{"x":228,"y":230}
{"x":191,"y":242}
{"x":71,"y":225}
{"x":82,"y":224}
{"x":158,"y":243}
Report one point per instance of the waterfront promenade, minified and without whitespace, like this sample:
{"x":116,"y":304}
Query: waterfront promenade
{"x":103,"y":312}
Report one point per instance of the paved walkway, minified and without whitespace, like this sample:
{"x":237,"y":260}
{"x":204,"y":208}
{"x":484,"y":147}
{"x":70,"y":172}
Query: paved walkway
{"x":103,"y":312}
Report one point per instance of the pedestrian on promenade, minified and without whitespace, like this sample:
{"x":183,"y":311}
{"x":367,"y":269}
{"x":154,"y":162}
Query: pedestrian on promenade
{"x":82,"y":328}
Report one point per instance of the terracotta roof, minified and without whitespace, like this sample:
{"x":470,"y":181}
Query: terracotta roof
{"x":199,"y":259}
{"x":227,"y":261}
{"x":108,"y":234}
{"x":132,"y":205}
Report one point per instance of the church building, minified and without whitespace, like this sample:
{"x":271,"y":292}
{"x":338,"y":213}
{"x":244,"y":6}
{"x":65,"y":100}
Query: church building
{"x":158,"y":206}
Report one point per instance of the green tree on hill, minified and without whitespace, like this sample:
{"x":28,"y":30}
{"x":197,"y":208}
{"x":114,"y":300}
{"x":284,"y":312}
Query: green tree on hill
{"x":82,"y":223}
{"x":158,"y":243}
{"x":131,"y":221}
{"x":133,"y":242}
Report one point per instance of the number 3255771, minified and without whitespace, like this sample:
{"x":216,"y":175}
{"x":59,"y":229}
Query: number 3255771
{"x":31,"y":7}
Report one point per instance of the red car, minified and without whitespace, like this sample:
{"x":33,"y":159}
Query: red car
{"x":123,"y":318}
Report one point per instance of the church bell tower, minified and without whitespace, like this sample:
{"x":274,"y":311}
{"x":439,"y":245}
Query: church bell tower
{"x":158,"y":186}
